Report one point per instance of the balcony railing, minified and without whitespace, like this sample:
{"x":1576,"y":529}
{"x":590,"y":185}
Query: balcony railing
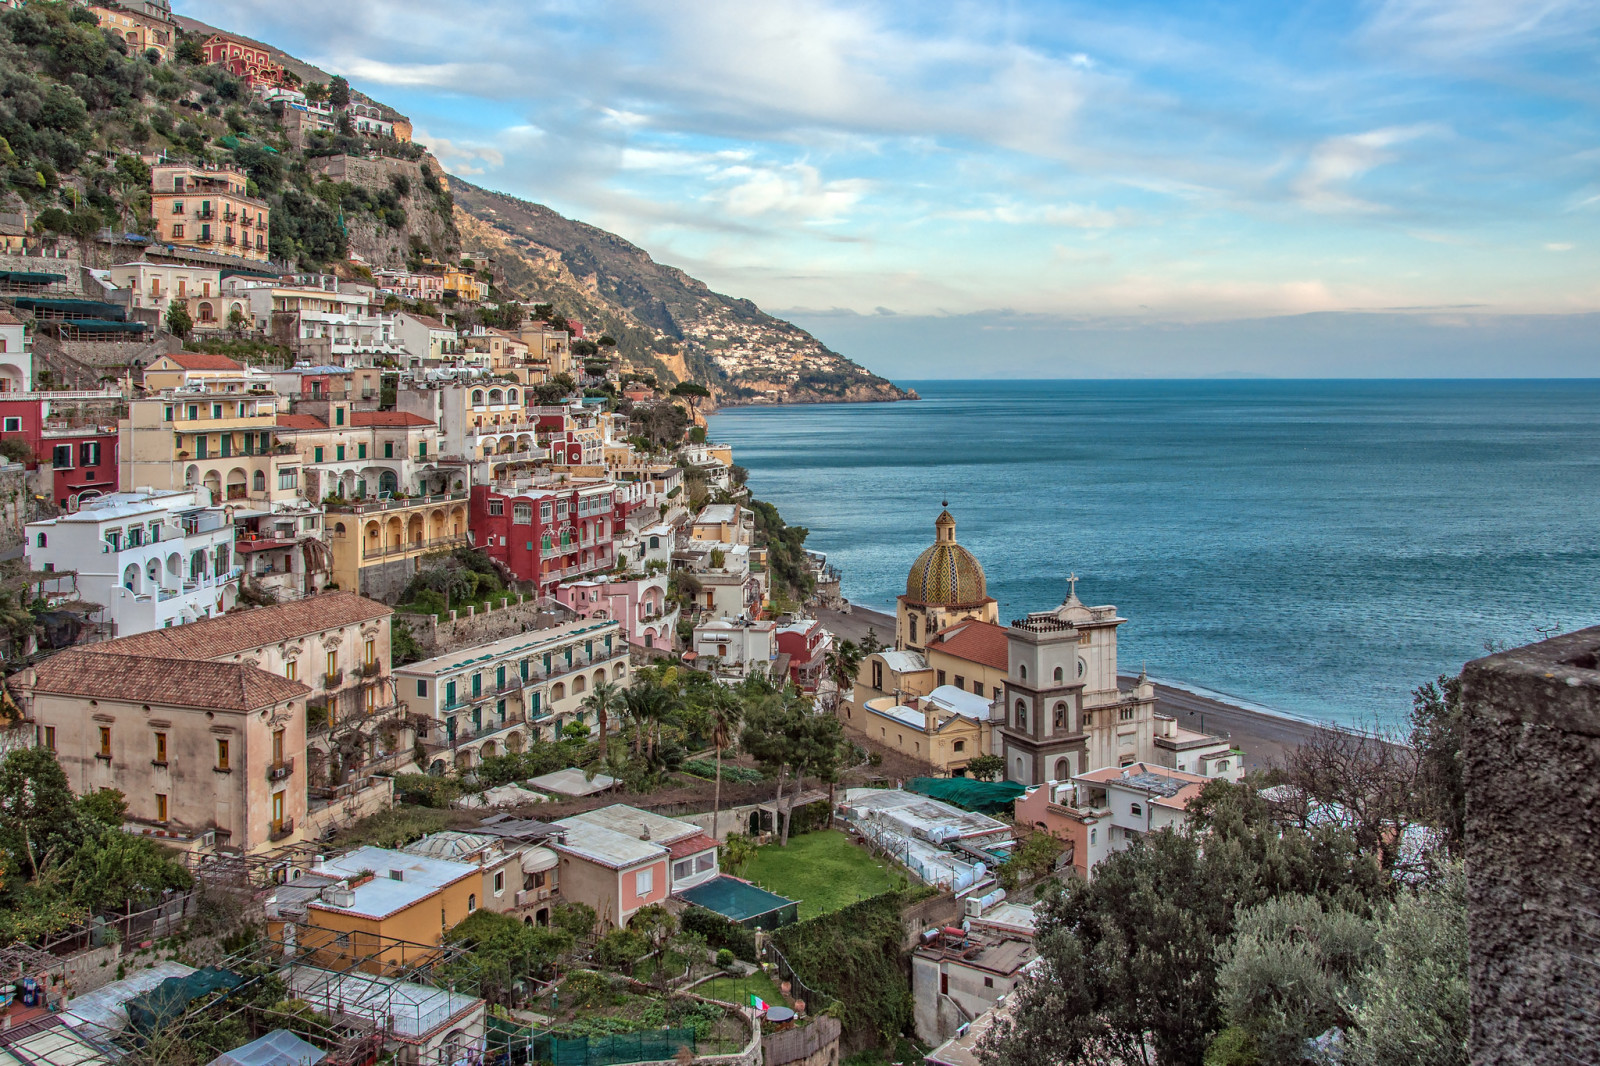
{"x":281,"y":771}
{"x":395,"y":505}
{"x":372,"y":669}
{"x":406,"y":547}
{"x":280,"y":830}
{"x":333,"y":680}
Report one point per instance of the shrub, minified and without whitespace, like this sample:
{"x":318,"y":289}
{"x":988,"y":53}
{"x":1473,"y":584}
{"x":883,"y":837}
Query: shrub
{"x":719,"y":933}
{"x":725,"y":958}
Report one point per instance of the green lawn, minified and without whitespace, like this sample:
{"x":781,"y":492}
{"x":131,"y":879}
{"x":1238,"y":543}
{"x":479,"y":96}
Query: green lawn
{"x":823,"y":870}
{"x":739,"y":989}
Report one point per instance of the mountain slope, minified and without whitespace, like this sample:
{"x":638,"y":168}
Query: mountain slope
{"x":660,"y":316}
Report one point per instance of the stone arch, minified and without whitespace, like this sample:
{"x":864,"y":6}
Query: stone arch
{"x":496,"y":396}
{"x":1060,"y":674}
{"x":436,"y":523}
{"x":437,"y":768}
{"x":464,"y":759}
{"x":372,"y":541}
{"x":458,"y":521}
{"x":238,"y":482}
{"x":414,"y":530}
{"x":393,"y":533}
{"x":387,"y":482}
{"x":207,"y":312}
{"x":1063,"y":770}
{"x":558,"y":691}
{"x":152,"y":572}
{"x":600,"y":676}
{"x":191,"y":476}
{"x":514,"y":743}
{"x":174,"y":567}
{"x":213,"y":484}
{"x":477,"y":397}
{"x":131,"y":578}
{"x":511,"y":396}
{"x":259,"y":484}
{"x":579,"y":684}
{"x":488,"y":751}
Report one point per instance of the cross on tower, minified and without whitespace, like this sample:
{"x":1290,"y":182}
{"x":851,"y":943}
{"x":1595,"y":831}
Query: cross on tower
{"x":1072,"y":586}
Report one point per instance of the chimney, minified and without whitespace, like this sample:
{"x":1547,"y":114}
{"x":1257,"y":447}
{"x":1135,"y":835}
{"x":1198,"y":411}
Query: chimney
{"x":644,"y":831}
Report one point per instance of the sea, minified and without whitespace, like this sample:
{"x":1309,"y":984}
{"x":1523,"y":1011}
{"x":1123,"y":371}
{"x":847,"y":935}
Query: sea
{"x":1316,"y":548}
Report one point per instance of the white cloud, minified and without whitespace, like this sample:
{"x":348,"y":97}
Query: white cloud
{"x":1336,"y":162}
{"x":1559,"y":246}
{"x":797,"y":192}
{"x":1069,"y":215}
{"x":460,"y":156}
{"x":1450,"y":29}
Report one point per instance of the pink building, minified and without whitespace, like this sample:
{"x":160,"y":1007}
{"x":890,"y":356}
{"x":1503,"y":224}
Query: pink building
{"x":1104,"y":810}
{"x":640,"y":605}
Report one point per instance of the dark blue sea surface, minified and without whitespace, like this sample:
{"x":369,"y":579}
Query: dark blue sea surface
{"x":1319,"y":548}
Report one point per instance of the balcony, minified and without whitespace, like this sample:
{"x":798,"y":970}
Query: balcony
{"x":281,"y":771}
{"x":372,"y":669}
{"x":395,"y":505}
{"x":280,"y":830}
{"x":333,"y":680}
{"x":454,"y":540}
{"x":527,"y":897}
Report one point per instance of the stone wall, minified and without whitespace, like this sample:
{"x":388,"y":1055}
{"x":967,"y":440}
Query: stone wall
{"x":16,"y":504}
{"x":386,"y":581}
{"x":816,"y":1044}
{"x":1532,"y":754}
{"x":514,"y":614}
{"x":71,"y":266}
{"x":87,"y":364}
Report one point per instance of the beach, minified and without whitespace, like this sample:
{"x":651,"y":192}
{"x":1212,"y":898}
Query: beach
{"x":1264,"y":737}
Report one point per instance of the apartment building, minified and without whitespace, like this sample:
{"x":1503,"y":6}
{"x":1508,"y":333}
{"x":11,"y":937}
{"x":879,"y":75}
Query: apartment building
{"x":226,"y":443}
{"x":16,"y":355}
{"x":637,"y":601}
{"x":153,"y":559}
{"x":72,"y":435}
{"x":377,"y":543}
{"x":546,"y":532}
{"x":511,"y":693}
{"x":207,"y":208}
{"x":201,"y":751}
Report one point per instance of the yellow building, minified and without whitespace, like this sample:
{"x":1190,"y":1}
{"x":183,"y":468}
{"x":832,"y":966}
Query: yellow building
{"x":376,"y":545}
{"x":464,"y":285}
{"x":375,"y":909}
{"x":144,"y":25}
{"x":945,"y":728}
{"x":946,"y":585}
{"x":213,"y":373}
{"x":226,"y":443}
{"x":970,"y":655}
{"x":208,"y":208}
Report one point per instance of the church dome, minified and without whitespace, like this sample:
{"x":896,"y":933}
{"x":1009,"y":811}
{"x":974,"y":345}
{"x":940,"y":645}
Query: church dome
{"x":946,"y":575}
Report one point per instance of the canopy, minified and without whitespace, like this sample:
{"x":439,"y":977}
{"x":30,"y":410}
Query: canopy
{"x":968,"y":793}
{"x":278,"y":1048}
{"x":742,"y":902}
{"x":165,"y":1003}
{"x":30,"y":277}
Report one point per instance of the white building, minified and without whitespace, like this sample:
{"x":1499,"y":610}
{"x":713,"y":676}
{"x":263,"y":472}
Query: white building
{"x":736,"y":646}
{"x":1178,"y":748}
{"x":153,"y":559}
{"x":16,"y":357}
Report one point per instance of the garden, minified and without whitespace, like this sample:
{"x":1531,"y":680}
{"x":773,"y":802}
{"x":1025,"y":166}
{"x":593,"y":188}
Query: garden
{"x":824,"y":870}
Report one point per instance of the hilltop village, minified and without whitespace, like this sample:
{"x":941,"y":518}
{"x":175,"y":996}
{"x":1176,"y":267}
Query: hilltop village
{"x":398,"y":672}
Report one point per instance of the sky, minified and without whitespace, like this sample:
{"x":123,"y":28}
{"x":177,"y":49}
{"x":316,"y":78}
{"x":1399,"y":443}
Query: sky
{"x":1392,"y":187}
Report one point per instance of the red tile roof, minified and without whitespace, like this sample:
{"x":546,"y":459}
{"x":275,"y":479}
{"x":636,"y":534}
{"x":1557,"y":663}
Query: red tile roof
{"x":98,"y":674}
{"x":301,"y":422}
{"x":693,"y":845}
{"x":203,"y":361}
{"x":388,"y":418}
{"x":977,"y":642}
{"x":239,"y":631}
{"x":8,"y":319}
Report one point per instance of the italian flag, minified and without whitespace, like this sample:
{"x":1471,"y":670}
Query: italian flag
{"x":757,"y":1002}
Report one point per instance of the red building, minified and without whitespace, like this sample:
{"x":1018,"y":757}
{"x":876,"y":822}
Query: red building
{"x":806,"y":643}
{"x":80,"y":452}
{"x":244,"y":59}
{"x":547,"y":535}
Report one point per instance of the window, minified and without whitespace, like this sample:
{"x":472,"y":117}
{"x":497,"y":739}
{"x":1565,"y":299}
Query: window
{"x":44,"y":540}
{"x":13,"y":425}
{"x":1060,"y":674}
{"x":338,"y":418}
{"x":499,"y":882}
{"x":388,"y":449}
{"x":472,"y":902}
{"x":422,"y":687}
{"x":643,"y":882}
{"x":1022,"y":715}
{"x":961,"y":682}
{"x":497,"y":507}
{"x":1222,"y":767}
{"x":216,"y":410}
{"x":940,"y":681}
{"x":1093,"y":835}
{"x":177,"y":232}
{"x":291,"y":668}
{"x":105,"y":742}
{"x":1061,"y":716}
{"x":959,"y":745}
{"x":50,"y":737}
{"x":1022,"y":671}
{"x":222,"y":755}
{"x":316,"y":455}
{"x":161,"y":806}
{"x":988,"y":982}
{"x":278,"y":805}
{"x":1136,"y":810}
{"x":289,"y":479}
{"x":161,"y":747}
{"x":369,"y":652}
{"x":683,"y":869}
{"x":1083,"y":667}
{"x":277,"y":745}
{"x":877,"y":675}
{"x":913,"y":629}
{"x":361,"y":451}
{"x":422,"y":449}
{"x":61,"y":457}
{"x":544,"y":514}
{"x":1126,"y":714}
{"x":522,"y":514}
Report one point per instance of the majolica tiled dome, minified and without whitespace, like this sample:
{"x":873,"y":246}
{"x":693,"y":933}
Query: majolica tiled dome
{"x":946,"y":575}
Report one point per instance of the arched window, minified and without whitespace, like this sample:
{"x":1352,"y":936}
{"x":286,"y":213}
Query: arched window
{"x":1060,"y":674}
{"x":259,"y":483}
{"x":1061,"y":716}
{"x":913,"y":629}
{"x":959,"y":745}
{"x":1222,"y":767}
{"x":1022,"y":671}
{"x":558,"y":692}
{"x":472,"y":902}
{"x":1022,"y":715}
{"x":44,"y":541}
{"x":1063,"y":770}
{"x":495,"y":395}
{"x":511,"y":396}
{"x":477,"y":397}
{"x":579,"y":684}
{"x":1083,"y":667}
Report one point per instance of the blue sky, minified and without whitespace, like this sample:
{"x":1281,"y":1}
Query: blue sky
{"x":1124,"y":180}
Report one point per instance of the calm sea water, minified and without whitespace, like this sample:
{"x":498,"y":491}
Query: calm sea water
{"x":1318,"y":548}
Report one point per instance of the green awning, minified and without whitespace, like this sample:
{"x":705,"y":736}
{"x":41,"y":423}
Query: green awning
{"x":740,"y":901}
{"x":30,"y":277}
{"x":968,"y":793}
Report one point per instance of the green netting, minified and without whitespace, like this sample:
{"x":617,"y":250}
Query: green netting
{"x":743,"y":902}
{"x":970,"y":794}
{"x":30,"y":277}
{"x":152,"y":1011}
{"x":523,"y":1045}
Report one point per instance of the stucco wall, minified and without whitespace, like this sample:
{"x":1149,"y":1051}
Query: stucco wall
{"x":1532,"y":754}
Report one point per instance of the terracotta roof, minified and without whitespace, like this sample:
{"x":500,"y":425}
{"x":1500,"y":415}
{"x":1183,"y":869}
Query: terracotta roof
{"x":388,"y":418}
{"x":978,"y":642}
{"x":429,"y":321}
{"x":98,"y":674}
{"x":691,"y":845}
{"x":9,"y":319}
{"x":239,"y":631}
{"x":301,"y":422}
{"x":203,"y":361}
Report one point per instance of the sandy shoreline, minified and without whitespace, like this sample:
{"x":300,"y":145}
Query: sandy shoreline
{"x":1265,"y":737}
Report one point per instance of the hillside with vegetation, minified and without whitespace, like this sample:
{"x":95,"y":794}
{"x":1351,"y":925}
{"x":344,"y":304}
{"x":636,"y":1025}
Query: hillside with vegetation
{"x":80,"y":115}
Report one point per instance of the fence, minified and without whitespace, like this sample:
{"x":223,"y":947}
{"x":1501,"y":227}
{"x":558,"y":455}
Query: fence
{"x":816,"y":1000}
{"x":163,"y":919}
{"x":608,"y":1049}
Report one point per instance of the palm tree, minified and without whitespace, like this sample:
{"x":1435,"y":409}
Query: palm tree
{"x":648,"y":703}
{"x":726,"y":712}
{"x":605,"y":697}
{"x":842,"y":663}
